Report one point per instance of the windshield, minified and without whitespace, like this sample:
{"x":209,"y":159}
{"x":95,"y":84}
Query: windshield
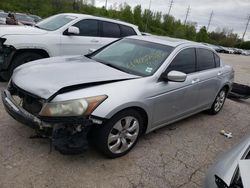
{"x":134,"y":56}
{"x":23,"y":17}
{"x":55,"y":22}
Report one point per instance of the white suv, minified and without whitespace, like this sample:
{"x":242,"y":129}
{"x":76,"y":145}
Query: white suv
{"x":62,"y":34}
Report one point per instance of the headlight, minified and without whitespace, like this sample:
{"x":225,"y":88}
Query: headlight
{"x":76,"y":107}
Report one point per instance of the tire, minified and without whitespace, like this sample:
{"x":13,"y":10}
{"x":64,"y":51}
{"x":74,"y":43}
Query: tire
{"x":218,"y":102}
{"x":2,"y":78}
{"x":112,"y":138}
{"x":21,"y":59}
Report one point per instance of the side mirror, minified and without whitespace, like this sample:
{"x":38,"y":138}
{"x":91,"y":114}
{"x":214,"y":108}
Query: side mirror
{"x":72,"y":30}
{"x":91,"y":50}
{"x":174,"y":76}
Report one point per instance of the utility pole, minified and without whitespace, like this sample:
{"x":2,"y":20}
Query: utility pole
{"x":106,"y":4}
{"x":210,"y":19}
{"x":146,"y":27}
{"x":188,"y":12}
{"x":248,"y":20}
{"x":170,"y":6}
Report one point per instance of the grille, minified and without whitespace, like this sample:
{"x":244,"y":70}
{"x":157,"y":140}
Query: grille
{"x":29,"y":102}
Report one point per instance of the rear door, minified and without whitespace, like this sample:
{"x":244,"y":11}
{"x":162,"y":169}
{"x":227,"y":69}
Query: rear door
{"x":209,"y":76}
{"x":89,"y":38}
{"x":109,"y":32}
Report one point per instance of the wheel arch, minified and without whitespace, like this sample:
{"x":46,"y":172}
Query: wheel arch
{"x":141,"y":110}
{"x":39,"y":51}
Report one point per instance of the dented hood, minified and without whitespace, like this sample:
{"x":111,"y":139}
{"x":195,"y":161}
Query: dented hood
{"x":45,"y":77}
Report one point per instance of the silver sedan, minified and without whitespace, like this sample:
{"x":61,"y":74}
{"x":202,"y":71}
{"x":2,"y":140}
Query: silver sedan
{"x":113,"y":95}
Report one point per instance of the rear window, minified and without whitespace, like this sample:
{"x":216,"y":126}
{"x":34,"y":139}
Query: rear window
{"x":127,"y":31}
{"x":205,"y":59}
{"x":110,"y":30}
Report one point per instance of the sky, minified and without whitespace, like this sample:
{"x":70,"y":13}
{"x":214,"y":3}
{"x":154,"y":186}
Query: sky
{"x":232,"y":14}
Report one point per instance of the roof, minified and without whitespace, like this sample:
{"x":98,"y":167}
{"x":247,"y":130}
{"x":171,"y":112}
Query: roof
{"x":166,"y":40}
{"x":99,"y":18}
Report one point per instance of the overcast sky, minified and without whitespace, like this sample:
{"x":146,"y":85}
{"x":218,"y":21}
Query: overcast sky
{"x":227,"y":13}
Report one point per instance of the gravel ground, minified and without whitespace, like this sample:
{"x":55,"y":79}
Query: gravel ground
{"x":178,"y":155}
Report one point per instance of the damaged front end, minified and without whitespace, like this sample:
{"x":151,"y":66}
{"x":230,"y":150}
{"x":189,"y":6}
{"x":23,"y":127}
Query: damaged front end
{"x":67,"y":134}
{"x":6,"y":54}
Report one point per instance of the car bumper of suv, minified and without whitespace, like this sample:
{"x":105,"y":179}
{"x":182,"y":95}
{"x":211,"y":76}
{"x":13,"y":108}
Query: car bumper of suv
{"x":6,"y":55}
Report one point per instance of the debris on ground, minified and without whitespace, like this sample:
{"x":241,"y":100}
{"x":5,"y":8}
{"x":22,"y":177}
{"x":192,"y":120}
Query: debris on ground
{"x":226,"y":134}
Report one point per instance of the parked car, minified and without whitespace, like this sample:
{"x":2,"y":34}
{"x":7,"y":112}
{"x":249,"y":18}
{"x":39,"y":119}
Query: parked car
{"x":62,"y":34}
{"x":245,"y":52}
{"x":130,"y":87}
{"x":24,"y":19}
{"x":228,"y":172}
{"x":35,"y":18}
{"x":214,"y":47}
{"x":3,"y":16}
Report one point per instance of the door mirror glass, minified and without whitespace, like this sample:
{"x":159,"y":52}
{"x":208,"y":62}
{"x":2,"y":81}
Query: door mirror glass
{"x":175,"y":76}
{"x":72,"y":30}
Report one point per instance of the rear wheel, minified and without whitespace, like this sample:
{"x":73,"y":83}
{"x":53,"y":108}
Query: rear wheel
{"x":219,"y":102}
{"x":21,"y":59}
{"x":120,"y":134}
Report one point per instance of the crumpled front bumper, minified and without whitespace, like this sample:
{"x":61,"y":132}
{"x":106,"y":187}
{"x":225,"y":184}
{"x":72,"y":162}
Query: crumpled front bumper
{"x":63,"y":133}
{"x":23,"y":116}
{"x":20,"y":114}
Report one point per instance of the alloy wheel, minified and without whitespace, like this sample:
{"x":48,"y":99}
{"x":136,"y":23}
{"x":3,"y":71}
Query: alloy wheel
{"x":123,"y":134}
{"x":220,"y":101}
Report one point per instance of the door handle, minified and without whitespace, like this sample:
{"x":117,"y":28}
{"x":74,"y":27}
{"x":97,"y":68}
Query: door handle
{"x":219,"y":73}
{"x":94,"y":40}
{"x":195,"y":80}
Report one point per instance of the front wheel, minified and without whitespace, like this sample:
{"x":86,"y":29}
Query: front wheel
{"x":219,"y":102}
{"x":120,"y":134}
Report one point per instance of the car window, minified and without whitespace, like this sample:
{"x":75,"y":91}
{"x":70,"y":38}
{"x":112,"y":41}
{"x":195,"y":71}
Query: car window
{"x":205,"y":59}
{"x":217,"y":60}
{"x":184,"y":61}
{"x":127,"y":31}
{"x":87,"y":27}
{"x":55,"y":22}
{"x":134,"y":56}
{"x":110,"y":30}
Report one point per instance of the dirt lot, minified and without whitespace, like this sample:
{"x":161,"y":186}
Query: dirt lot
{"x":175,"y":156}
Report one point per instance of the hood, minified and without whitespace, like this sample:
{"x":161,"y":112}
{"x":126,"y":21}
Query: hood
{"x":20,"y":30}
{"x":227,"y":164}
{"x":45,"y":77}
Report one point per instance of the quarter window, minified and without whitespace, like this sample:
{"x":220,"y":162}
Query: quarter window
{"x":110,"y":30}
{"x":184,"y":61}
{"x":88,"y":27}
{"x":127,"y":31}
{"x":205,"y":59}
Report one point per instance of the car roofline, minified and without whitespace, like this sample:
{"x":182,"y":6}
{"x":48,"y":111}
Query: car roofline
{"x":99,"y":18}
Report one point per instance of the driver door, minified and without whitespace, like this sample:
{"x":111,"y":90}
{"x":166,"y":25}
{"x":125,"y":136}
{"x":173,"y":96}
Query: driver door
{"x":174,"y":100}
{"x":89,"y":38}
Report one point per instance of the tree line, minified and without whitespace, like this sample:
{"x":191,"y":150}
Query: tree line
{"x":147,"y":21}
